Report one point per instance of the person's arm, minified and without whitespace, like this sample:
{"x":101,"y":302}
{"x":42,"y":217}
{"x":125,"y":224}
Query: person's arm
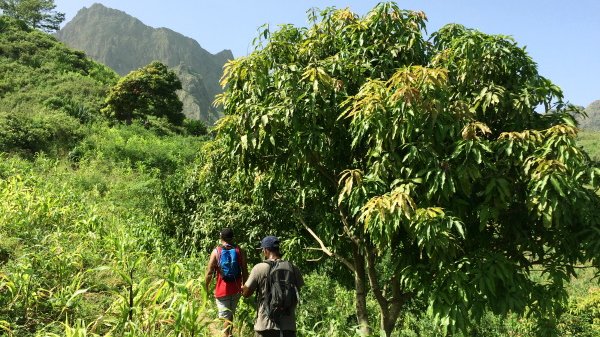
{"x":251,"y":284}
{"x":246,"y":292}
{"x":211,"y":268}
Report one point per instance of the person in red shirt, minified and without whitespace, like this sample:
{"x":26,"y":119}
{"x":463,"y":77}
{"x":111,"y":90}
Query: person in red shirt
{"x":228,"y":262}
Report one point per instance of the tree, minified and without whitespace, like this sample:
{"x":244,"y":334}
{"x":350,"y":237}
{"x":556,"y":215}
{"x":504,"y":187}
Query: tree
{"x":151,"y":90}
{"x":39,"y":14}
{"x":420,"y":165}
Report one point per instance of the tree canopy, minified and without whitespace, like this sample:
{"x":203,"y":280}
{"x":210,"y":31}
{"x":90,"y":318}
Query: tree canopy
{"x":39,"y":14}
{"x":420,"y":165}
{"x":148,"y":91}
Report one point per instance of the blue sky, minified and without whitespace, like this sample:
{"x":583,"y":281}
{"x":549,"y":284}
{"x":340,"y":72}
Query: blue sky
{"x":563,"y":37}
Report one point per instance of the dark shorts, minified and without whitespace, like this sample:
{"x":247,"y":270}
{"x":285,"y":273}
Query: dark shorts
{"x":274,"y":333}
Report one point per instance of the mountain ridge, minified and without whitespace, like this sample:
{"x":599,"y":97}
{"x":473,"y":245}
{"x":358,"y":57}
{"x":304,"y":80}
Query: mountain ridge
{"x":125,"y":43}
{"x":592,"y":121}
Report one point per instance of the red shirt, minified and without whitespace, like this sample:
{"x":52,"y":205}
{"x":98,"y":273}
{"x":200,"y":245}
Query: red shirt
{"x":223,"y":288}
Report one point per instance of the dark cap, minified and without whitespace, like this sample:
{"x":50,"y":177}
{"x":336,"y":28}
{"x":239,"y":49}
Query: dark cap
{"x":269,"y":242}
{"x":226,"y":234}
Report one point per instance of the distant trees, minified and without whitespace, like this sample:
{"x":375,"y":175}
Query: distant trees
{"x":148,"y":91}
{"x":419,"y":165}
{"x":39,"y":14}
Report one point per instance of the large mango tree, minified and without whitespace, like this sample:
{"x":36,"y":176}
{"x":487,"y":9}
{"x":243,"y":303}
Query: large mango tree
{"x":440,"y":169}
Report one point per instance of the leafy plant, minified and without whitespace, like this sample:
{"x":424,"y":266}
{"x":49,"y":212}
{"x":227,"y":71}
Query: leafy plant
{"x":421,"y":166}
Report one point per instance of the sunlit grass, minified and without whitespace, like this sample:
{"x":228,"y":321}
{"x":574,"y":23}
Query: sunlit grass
{"x":590,"y":141}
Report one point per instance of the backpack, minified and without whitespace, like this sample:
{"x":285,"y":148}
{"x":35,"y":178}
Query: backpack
{"x":282,"y":294}
{"x":229,"y":265}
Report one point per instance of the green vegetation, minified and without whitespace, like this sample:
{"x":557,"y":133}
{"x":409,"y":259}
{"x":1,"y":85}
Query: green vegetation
{"x":149,"y":91}
{"x":590,"y":141}
{"x":105,"y":226}
{"x":419,"y":166}
{"x":39,"y":14}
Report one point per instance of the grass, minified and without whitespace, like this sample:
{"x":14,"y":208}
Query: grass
{"x":590,"y":141}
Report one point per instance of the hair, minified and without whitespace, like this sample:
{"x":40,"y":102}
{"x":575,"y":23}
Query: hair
{"x":274,"y":250}
{"x":226,"y":235}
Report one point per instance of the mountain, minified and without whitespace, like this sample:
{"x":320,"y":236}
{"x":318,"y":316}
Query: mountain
{"x":592,"y":122}
{"x":124,"y":43}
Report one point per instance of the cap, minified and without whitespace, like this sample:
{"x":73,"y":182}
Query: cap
{"x":269,"y":242}
{"x":226,"y":233}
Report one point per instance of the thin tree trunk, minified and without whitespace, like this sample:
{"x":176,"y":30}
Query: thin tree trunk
{"x":390,"y":307}
{"x":360,"y":283}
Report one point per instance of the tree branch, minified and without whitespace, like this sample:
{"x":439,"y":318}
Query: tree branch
{"x":324,"y":248}
{"x":349,"y":233}
{"x":398,"y":299}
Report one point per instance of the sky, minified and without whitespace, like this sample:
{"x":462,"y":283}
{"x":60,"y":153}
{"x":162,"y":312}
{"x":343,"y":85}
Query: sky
{"x":562,"y":36}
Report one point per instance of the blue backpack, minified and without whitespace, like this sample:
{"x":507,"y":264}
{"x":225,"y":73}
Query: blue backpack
{"x":229,"y":265}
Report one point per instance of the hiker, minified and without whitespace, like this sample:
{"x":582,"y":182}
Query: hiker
{"x":277,"y":283}
{"x":228,"y":262}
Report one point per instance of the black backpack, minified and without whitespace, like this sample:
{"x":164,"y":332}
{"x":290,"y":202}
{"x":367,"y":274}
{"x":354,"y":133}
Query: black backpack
{"x":282,"y":292}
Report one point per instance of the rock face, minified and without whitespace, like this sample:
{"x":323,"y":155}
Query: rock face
{"x":592,"y":121}
{"x":124,"y":43}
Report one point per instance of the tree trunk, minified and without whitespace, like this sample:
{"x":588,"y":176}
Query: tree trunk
{"x":390,"y":307}
{"x":387,"y":325}
{"x":360,"y":283}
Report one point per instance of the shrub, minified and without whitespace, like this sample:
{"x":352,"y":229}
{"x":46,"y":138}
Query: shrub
{"x":30,"y":133}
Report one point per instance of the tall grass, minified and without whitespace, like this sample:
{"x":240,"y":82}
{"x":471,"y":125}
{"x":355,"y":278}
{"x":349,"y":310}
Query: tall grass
{"x":81,"y":254}
{"x":590,"y":141}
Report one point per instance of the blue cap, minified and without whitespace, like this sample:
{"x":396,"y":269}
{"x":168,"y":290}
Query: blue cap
{"x":269,"y":242}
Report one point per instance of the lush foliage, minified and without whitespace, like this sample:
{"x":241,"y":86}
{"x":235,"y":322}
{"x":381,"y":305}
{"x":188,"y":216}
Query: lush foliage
{"x":105,"y":229}
{"x":148,"y":91}
{"x":426,"y":153}
{"x":46,"y":90}
{"x":38,"y":14}
{"x":590,"y":141}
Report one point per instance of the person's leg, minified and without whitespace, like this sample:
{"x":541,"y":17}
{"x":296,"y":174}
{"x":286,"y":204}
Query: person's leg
{"x":225,"y":309}
{"x":232,"y":303}
{"x":267,"y":333}
{"x":275,"y":333}
{"x":226,"y":306}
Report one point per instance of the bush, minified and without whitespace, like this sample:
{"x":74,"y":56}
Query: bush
{"x":138,"y":147}
{"x":31,"y":133}
{"x":195,"y":127}
{"x":582,"y":319}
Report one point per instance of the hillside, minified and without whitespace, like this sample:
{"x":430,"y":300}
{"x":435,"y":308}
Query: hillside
{"x":592,"y":122}
{"x":124,"y":43}
{"x":46,"y":90}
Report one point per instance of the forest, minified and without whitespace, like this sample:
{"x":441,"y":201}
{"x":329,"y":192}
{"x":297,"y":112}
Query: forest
{"x":413,"y":180}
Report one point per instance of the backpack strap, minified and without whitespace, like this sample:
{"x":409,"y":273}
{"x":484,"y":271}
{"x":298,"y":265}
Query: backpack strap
{"x":265,"y":296}
{"x":239,"y":257}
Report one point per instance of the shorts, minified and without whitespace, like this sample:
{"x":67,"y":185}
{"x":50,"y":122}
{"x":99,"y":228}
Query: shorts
{"x":226,"y":306}
{"x":275,"y":333}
